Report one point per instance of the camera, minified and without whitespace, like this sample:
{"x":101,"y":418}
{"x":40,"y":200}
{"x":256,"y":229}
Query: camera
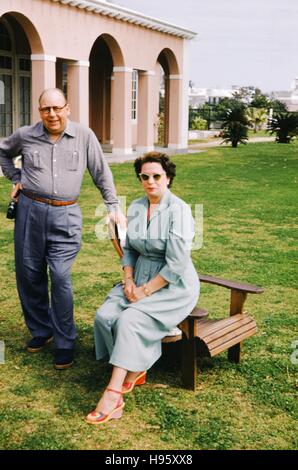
{"x":12,"y":209}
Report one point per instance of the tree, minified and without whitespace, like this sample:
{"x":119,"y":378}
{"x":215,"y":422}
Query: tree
{"x":260,"y":101}
{"x":278,"y":106}
{"x":245,"y":94}
{"x":285,"y":126}
{"x":256,"y":117}
{"x":235,"y":126}
{"x":225,"y":105}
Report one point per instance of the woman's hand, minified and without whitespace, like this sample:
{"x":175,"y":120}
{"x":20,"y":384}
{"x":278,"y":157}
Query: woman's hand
{"x":129,"y":287}
{"x":137,"y":294}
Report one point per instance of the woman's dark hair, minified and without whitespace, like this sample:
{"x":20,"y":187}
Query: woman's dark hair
{"x":156,"y":157}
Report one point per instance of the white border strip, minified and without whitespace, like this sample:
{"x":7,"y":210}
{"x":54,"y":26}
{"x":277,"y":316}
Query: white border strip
{"x":122,"y":69}
{"x":44,"y":57}
{"x":148,"y":73}
{"x":80,"y":63}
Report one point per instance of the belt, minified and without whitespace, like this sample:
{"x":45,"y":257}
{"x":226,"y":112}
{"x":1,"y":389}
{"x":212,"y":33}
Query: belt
{"x":51,"y":202}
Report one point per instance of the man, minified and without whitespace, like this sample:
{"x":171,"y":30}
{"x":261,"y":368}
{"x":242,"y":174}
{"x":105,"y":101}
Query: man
{"x":55,"y":153}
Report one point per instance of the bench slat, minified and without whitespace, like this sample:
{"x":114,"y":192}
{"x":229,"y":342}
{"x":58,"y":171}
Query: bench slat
{"x":233,"y":341}
{"x":221,"y":327}
{"x":211,"y":326}
{"x":232,"y":334}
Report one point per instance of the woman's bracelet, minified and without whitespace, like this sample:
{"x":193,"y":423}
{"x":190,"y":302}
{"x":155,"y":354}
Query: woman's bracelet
{"x":146,"y":290}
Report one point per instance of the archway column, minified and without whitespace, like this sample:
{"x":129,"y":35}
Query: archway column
{"x":121,"y":110}
{"x":78,"y":90}
{"x":176,"y":112}
{"x":43,"y":77}
{"x":145,"y":114}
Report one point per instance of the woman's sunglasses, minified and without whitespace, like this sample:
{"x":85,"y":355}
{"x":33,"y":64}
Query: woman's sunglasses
{"x":145,"y":177}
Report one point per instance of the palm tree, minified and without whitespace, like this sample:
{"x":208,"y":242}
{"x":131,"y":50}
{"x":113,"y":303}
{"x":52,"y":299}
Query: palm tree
{"x":235,"y":126}
{"x":256,"y":117}
{"x":285,"y":126}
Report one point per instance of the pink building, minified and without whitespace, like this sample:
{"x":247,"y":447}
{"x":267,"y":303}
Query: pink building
{"x":107,"y":58}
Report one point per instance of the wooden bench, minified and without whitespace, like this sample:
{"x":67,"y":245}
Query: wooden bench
{"x":207,"y":337}
{"x":201,"y":336}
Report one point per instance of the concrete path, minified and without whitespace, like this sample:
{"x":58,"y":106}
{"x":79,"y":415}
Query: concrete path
{"x":217,"y":142}
{"x":193,"y":148}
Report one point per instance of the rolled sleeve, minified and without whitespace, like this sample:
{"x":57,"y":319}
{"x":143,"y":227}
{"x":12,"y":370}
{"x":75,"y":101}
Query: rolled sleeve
{"x":10,"y":148}
{"x":130,"y":255}
{"x":101,"y":173}
{"x":179,"y":242}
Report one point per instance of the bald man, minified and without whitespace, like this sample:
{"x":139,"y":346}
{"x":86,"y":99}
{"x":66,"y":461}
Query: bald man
{"x":55,"y":153}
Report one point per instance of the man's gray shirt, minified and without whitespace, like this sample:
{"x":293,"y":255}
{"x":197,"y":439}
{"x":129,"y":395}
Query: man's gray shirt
{"x":56,"y":169}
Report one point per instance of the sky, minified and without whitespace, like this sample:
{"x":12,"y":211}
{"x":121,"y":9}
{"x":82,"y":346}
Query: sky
{"x":239,"y":42}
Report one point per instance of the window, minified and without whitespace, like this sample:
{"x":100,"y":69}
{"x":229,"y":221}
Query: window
{"x":15,"y":83}
{"x":134,"y":95}
{"x":25,"y":100}
{"x":6,"y":122}
{"x":6,"y":62}
{"x":25,"y":64}
{"x":4,"y":39}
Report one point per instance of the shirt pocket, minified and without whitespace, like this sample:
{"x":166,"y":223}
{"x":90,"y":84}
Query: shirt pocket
{"x":32,"y":159}
{"x":72,"y":160}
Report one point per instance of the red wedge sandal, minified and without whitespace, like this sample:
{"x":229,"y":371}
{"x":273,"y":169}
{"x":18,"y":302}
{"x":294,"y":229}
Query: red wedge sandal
{"x":129,"y":386}
{"x":97,"y":417}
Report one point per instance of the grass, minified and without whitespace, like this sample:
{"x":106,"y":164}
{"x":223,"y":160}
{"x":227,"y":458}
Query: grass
{"x":261,"y":133}
{"x":249,"y":198}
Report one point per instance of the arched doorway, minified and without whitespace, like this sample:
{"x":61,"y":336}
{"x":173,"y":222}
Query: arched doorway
{"x":15,"y":75}
{"x":166,"y":68}
{"x":105,"y":55}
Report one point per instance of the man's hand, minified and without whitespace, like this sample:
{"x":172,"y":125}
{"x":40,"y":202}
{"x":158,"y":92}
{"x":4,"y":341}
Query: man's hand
{"x":16,"y":191}
{"x":119,"y":218}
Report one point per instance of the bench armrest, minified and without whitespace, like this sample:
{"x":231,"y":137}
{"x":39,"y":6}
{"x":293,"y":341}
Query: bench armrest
{"x":198,"y":313}
{"x":248,"y":288}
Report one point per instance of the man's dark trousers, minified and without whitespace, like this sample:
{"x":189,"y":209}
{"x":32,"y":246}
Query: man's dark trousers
{"x":47,"y":240}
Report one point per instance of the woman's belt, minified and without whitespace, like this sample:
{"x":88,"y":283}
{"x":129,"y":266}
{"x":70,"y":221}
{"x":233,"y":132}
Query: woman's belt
{"x":51,"y":202}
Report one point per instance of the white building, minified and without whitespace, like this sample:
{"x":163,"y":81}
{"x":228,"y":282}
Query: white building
{"x":199,"y":96}
{"x":289,"y":98}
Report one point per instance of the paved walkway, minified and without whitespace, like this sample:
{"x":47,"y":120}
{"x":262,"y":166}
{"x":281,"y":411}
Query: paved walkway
{"x":193,"y":148}
{"x":217,"y":142}
{"x":132,"y":156}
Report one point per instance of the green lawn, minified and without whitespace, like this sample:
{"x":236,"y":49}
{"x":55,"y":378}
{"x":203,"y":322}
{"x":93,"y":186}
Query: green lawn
{"x":249,"y":198}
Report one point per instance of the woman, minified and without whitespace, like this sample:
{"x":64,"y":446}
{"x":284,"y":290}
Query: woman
{"x":160,"y":286}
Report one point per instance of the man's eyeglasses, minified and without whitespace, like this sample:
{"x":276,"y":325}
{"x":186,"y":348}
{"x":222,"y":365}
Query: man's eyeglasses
{"x":145,"y":177}
{"x":56,"y":109}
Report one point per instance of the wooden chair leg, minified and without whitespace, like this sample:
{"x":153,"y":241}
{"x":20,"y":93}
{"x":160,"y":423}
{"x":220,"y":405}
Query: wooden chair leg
{"x":189,"y":363}
{"x":234,"y":353}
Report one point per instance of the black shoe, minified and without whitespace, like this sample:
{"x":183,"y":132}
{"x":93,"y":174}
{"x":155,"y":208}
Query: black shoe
{"x":63,"y":358}
{"x":37,"y":344}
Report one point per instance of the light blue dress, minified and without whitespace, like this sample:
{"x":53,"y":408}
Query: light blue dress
{"x":131,"y":333}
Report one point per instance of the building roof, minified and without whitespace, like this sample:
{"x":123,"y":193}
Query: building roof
{"x":102,"y":7}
